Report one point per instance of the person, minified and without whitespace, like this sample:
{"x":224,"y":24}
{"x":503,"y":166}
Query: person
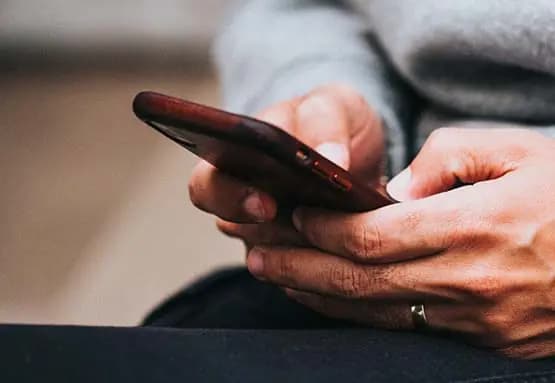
{"x":470,"y":249}
{"x":465,"y":262}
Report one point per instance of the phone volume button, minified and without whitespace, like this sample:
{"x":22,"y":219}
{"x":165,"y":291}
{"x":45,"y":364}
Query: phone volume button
{"x":341,"y":182}
{"x":302,"y":156}
{"x":316,"y":168}
{"x":334,"y":178}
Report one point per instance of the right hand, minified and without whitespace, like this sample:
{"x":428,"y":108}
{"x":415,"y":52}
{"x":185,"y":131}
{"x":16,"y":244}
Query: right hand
{"x":333,"y":119}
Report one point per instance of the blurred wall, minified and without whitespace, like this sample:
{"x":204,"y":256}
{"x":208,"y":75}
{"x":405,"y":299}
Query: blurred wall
{"x":78,"y":23}
{"x":149,"y":31}
{"x":95,"y":223}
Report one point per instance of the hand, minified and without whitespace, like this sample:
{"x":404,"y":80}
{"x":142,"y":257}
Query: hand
{"x":480,"y":257}
{"x":336,"y":121}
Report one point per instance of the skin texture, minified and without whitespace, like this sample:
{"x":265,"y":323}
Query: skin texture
{"x":481,"y":257}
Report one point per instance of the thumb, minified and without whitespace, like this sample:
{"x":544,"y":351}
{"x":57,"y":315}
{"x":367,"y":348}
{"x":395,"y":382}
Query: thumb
{"x":335,"y":152}
{"x":322,"y":124}
{"x":318,"y":120}
{"x":337,"y":121}
{"x":452,"y":157}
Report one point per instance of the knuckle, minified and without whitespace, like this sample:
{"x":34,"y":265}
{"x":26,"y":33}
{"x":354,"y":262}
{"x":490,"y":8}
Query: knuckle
{"x":439,"y":138}
{"x":457,"y":159}
{"x":487,"y":285}
{"x":338,"y":91}
{"x":317,"y":102}
{"x":485,"y":289}
{"x":349,"y":96}
{"x":413,"y":219}
{"x":439,"y":134}
{"x":286,"y":266}
{"x":498,"y":329}
{"x":348,"y":281}
{"x":486,"y":226}
{"x":364,"y":241}
{"x":281,"y":114}
{"x":373,"y":240}
{"x":346,"y":91}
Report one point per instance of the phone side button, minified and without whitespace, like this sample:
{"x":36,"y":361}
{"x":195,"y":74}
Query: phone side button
{"x":302,"y":156}
{"x":341,"y":182}
{"x":317,"y":168}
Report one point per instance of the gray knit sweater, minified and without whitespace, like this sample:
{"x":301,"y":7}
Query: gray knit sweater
{"x":421,"y":64}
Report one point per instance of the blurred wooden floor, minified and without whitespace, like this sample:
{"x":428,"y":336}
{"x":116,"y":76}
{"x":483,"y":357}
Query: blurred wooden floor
{"x":95,"y":224}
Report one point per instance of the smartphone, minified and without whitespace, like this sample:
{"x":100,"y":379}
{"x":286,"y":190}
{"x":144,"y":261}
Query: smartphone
{"x":258,"y":153}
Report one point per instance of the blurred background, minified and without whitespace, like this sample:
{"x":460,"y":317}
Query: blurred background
{"x":95,"y":224}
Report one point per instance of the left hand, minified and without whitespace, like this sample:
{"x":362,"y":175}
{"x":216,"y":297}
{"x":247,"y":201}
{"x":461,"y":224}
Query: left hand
{"x":335,"y":120}
{"x":480,"y":257}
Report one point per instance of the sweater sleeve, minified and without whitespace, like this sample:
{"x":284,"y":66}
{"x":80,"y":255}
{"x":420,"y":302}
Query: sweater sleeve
{"x":272,"y":50}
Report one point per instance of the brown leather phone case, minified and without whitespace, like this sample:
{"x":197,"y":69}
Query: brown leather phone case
{"x":258,"y":153}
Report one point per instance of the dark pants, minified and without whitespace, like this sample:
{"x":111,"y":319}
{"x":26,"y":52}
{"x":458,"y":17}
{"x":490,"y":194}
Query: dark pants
{"x":230,"y":327}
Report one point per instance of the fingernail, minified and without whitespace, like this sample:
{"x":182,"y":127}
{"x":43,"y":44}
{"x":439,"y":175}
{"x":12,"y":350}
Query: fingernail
{"x":335,"y":152}
{"x":255,"y":262}
{"x":398,"y":187}
{"x":297,"y":219}
{"x":254,"y":207}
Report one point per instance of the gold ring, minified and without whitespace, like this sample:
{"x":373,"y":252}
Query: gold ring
{"x":419,"y":319}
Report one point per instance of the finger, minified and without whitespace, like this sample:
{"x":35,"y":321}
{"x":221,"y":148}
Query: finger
{"x":314,"y":271}
{"x":458,"y":156}
{"x":541,"y":347}
{"x":323,"y":124}
{"x":218,"y":193}
{"x":270,"y":233}
{"x":318,"y":119}
{"x":444,"y":317}
{"x":454,"y":291}
{"x":337,"y":121}
{"x":392,"y":316}
{"x":334,"y":120}
{"x":387,"y":316}
{"x":229,"y":198}
{"x":282,"y":115}
{"x":367,"y":140}
{"x":401,"y":231}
